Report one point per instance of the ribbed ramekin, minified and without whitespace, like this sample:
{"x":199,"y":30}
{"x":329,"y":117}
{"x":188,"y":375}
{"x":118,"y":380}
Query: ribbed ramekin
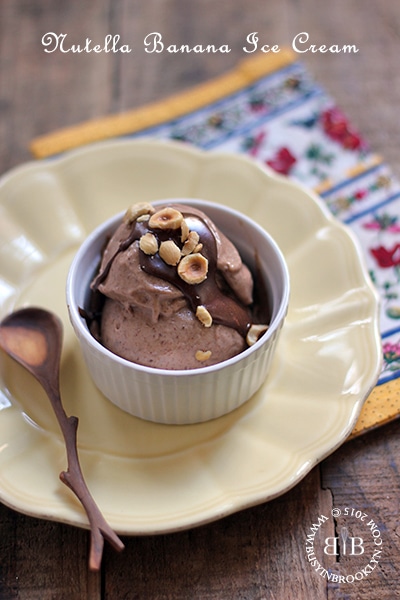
{"x":184,"y":396}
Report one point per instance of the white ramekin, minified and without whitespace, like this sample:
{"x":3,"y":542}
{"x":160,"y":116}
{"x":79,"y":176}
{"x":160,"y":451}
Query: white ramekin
{"x":183,"y":396}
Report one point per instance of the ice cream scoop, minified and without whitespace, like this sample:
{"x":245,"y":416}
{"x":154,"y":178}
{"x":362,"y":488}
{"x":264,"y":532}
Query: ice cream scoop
{"x":172,"y":291}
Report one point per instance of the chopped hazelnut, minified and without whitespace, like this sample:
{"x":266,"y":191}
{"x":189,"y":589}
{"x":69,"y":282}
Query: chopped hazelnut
{"x":137,"y":210}
{"x":170,"y":252}
{"x":166,"y":218}
{"x":202,"y":355}
{"x":193,"y":268}
{"x":204,"y":316}
{"x":148,"y":243}
{"x":254,"y":333}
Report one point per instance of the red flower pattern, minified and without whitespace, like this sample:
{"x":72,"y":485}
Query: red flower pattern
{"x":283,"y":161}
{"x":360,"y":194}
{"x":387,"y":258}
{"x":337,"y":128}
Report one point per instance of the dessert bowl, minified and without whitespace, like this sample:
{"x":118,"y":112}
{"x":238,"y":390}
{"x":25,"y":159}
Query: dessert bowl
{"x":184,"y":396}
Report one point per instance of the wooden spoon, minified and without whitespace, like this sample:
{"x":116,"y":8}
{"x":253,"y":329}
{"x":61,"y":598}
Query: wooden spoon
{"x":33,"y":337}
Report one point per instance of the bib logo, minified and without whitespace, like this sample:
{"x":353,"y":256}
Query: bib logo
{"x":350,"y":545}
{"x":352,"y":553}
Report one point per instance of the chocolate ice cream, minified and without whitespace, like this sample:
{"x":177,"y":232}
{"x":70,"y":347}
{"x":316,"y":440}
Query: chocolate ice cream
{"x":173,"y":291}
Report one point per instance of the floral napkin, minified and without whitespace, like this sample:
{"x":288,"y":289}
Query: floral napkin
{"x":271,"y":109}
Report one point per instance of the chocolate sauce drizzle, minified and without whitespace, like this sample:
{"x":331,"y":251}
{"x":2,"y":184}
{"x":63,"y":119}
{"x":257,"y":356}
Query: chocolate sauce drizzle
{"x":213,"y":293}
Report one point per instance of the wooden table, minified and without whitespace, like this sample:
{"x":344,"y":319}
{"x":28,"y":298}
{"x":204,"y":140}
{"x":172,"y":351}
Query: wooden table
{"x":258,"y":553}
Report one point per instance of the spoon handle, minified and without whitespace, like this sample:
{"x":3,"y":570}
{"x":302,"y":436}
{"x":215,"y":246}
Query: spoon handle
{"x":74,"y":479}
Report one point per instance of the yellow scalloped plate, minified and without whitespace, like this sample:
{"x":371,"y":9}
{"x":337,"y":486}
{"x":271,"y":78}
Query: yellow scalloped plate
{"x":149,"y":478}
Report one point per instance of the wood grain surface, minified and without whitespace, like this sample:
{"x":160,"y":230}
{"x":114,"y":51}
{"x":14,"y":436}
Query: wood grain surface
{"x":258,"y":553}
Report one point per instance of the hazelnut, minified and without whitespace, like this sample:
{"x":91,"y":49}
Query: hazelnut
{"x":254,"y":333}
{"x":137,"y":210}
{"x":143,"y":218}
{"x":193,"y":268}
{"x":204,"y":316}
{"x":170,"y":252}
{"x":190,"y":243}
{"x":166,"y":218}
{"x":148,"y":243}
{"x":184,"y":231}
{"x":202,"y":355}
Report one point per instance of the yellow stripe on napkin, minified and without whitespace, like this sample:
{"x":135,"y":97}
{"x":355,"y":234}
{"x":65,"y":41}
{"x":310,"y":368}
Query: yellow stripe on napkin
{"x":150,"y":115}
{"x":381,"y":407}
